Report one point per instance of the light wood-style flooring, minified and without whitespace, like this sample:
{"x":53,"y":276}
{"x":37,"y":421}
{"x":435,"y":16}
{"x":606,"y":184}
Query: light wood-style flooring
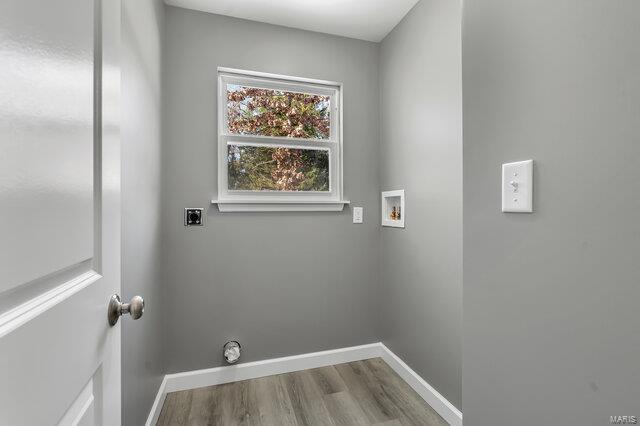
{"x":365,"y":392}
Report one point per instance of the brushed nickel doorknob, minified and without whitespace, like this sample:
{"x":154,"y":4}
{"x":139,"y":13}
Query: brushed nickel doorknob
{"x":116,"y":308}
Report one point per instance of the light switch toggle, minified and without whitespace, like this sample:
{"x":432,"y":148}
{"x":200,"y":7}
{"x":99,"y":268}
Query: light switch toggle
{"x":514,"y":184}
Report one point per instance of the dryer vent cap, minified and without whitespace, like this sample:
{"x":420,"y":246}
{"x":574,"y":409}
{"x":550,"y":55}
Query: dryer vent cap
{"x":231,"y":351}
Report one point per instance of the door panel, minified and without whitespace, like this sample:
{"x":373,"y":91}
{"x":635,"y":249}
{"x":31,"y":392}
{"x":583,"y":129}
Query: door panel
{"x":59,"y":212}
{"x":46,"y":166}
{"x":83,"y":410}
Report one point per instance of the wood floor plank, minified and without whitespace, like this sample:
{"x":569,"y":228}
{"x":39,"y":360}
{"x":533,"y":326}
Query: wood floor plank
{"x":178,"y":406}
{"x":381,"y":394}
{"x":168,"y":407}
{"x":344,"y":410}
{"x":306,"y":399}
{"x":203,"y":406}
{"x":245,"y":404}
{"x":222,"y":404}
{"x":402,"y":395}
{"x":389,"y":423}
{"x":328,"y":380}
{"x":274,"y":403}
{"x":376,"y":406}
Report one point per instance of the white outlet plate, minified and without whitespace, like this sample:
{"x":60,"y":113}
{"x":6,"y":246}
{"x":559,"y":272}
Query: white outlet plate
{"x":517,"y":187}
{"x":358,"y":214}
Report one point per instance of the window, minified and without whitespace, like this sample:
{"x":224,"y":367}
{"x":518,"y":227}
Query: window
{"x":279,"y":143}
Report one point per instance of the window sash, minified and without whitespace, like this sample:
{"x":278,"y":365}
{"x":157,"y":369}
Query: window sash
{"x":329,"y":96}
{"x":334,"y":116}
{"x":262,"y":145}
{"x":224,"y":193}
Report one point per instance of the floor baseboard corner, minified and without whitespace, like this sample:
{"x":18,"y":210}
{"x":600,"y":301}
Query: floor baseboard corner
{"x":446,"y":409}
{"x":156,"y":408}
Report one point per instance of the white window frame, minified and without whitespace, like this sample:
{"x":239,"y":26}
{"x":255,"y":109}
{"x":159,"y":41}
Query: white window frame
{"x":247,"y":200}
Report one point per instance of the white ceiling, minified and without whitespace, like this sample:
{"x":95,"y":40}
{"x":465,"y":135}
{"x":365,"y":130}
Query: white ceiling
{"x":363,"y":19}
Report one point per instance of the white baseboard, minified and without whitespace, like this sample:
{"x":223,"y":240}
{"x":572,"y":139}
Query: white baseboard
{"x":252,"y":370}
{"x":447,"y":410}
{"x":156,"y":408}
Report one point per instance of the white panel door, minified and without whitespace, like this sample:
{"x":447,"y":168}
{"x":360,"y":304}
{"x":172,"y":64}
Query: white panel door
{"x":59,"y":212}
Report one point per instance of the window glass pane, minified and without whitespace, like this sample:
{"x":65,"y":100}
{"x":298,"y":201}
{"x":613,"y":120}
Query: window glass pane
{"x":266,"y":168}
{"x":267,"y":112}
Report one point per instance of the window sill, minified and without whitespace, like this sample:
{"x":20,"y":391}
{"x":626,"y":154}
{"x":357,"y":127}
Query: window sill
{"x":280,"y":206}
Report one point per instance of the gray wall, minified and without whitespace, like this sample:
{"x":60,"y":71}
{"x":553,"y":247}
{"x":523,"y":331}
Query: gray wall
{"x":421,"y":151}
{"x":281,"y":284}
{"x":551,"y":325}
{"x":142,"y":351}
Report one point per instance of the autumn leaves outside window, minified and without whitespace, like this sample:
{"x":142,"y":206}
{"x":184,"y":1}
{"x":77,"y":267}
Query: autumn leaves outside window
{"x":265,"y":166}
{"x":267,"y":112}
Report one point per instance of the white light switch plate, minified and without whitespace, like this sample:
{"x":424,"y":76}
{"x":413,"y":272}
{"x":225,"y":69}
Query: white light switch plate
{"x":358,"y":213}
{"x":517,"y":187}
